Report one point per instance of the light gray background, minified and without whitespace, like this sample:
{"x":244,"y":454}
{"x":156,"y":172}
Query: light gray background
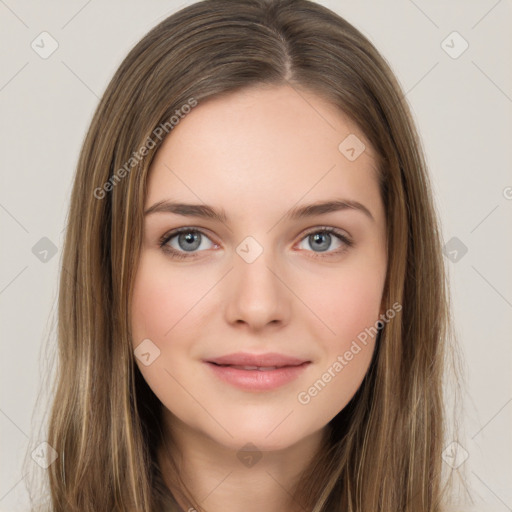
{"x":463,"y":110}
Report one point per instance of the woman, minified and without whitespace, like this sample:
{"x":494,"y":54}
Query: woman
{"x":220,"y":362}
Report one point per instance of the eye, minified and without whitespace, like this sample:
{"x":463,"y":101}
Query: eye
{"x":322,"y":239}
{"x":187,"y":241}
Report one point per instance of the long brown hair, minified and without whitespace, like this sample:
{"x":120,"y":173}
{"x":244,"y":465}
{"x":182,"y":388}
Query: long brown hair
{"x":384,"y":450}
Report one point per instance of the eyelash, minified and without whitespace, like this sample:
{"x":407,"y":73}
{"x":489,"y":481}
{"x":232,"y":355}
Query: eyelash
{"x":183,"y":255}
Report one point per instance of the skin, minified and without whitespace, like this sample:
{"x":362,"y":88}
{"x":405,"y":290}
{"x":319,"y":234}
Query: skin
{"x":257,"y":153}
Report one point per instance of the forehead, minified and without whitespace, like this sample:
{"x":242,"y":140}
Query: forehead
{"x":261,"y":148}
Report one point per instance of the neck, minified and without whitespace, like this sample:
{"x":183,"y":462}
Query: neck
{"x":222,"y":479}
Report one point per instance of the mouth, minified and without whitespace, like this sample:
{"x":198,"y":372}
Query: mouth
{"x":269,"y":360}
{"x":258,"y":377}
{"x":255,"y":368}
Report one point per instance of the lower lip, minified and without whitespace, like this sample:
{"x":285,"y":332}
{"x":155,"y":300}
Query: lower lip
{"x":257,"y":380}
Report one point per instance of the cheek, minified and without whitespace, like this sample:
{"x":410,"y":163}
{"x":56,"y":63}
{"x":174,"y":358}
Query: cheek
{"x":161,"y":301}
{"x":164,"y":308}
{"x":347,"y":302}
{"x":346,"y":354}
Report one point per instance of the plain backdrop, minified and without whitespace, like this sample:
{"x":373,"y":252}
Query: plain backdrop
{"x":453,"y":59}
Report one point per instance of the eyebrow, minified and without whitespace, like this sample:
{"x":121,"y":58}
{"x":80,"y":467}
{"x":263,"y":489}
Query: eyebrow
{"x":300,"y":212}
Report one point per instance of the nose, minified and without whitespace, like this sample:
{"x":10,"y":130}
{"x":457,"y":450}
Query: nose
{"x":257,"y":292}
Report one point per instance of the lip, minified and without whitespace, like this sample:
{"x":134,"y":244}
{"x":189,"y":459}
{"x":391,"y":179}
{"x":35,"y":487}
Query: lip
{"x":278,"y":370}
{"x":264,"y":360}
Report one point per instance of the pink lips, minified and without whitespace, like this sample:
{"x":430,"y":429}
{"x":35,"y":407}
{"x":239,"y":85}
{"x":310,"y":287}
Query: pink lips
{"x":254,"y":372}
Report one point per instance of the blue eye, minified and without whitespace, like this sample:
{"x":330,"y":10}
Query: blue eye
{"x":189,"y":240}
{"x":322,"y":239}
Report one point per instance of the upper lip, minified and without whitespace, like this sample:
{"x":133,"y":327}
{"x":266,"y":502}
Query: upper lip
{"x":262,"y":360}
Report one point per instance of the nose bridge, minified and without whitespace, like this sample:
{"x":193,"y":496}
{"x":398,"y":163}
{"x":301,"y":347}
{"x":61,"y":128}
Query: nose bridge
{"x":258,"y":296}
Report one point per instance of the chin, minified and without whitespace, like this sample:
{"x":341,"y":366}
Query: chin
{"x":276,"y":438}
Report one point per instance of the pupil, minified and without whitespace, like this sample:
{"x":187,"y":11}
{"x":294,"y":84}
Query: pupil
{"x":318,"y":237}
{"x":191,"y":240}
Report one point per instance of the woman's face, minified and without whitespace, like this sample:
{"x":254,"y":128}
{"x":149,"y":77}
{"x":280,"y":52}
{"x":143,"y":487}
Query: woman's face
{"x":254,"y":278}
